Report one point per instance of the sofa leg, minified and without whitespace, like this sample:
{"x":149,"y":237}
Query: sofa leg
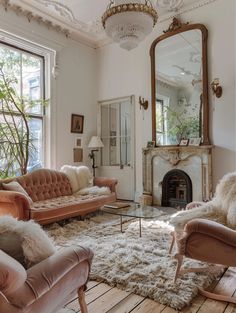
{"x":82,"y":303}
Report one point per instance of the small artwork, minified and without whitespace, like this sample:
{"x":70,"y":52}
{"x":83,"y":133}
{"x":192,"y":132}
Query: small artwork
{"x":183,"y":142}
{"x":150,"y":144}
{"x":78,"y":142}
{"x":78,"y":155}
{"x":194,"y":141}
{"x":77,"y":123}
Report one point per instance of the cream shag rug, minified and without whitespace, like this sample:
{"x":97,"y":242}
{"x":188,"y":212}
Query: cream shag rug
{"x":141,"y":265}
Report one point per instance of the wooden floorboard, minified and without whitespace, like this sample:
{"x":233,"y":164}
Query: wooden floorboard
{"x":102,"y":298}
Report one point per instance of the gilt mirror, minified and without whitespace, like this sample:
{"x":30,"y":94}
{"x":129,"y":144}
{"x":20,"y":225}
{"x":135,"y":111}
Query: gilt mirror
{"x":180,"y":84}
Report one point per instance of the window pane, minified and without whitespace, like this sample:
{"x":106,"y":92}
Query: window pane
{"x":36,"y":144}
{"x":31,"y":82}
{"x":105,"y":120}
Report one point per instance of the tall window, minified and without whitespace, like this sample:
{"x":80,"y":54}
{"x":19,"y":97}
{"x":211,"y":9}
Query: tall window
{"x":25,"y":70}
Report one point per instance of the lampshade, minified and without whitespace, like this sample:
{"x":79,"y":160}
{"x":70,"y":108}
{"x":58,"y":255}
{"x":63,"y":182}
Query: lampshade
{"x":128,"y":22}
{"x":95,"y":142}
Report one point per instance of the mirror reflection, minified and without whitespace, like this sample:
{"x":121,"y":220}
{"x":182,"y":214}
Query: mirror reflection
{"x":179,"y":87}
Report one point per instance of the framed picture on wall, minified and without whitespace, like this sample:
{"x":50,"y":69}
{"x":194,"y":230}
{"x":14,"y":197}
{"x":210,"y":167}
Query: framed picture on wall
{"x":78,"y":142}
{"x":77,"y":123}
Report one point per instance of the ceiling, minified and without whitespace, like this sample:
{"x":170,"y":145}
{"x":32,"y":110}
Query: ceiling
{"x":83,"y":17}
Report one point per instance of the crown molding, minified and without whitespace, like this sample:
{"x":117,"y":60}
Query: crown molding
{"x":65,"y":22}
{"x":185,"y":9}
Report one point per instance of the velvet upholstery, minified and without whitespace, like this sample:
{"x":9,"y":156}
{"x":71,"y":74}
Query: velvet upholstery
{"x":47,"y":286}
{"x":210,"y":242}
{"x":45,"y":184}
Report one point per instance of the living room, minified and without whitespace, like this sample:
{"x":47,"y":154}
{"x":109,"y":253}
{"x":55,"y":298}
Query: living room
{"x":85,"y":76}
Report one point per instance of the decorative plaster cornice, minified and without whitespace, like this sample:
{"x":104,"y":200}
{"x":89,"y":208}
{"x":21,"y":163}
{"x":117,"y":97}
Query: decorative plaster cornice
{"x":185,"y":9}
{"x":33,"y":17}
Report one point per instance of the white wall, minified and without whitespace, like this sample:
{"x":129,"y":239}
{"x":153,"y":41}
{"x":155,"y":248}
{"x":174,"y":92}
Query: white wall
{"x":74,"y":90}
{"x":123,"y":73}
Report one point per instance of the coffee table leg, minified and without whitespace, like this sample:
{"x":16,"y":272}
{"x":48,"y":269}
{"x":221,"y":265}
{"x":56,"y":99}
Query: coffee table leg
{"x":121,"y":224}
{"x":140,"y":228}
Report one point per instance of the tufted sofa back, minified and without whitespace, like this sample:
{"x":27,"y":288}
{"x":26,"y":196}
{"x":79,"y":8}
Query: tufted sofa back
{"x":45,"y":184}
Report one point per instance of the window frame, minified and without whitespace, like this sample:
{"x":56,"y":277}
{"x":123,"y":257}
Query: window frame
{"x":38,"y":116}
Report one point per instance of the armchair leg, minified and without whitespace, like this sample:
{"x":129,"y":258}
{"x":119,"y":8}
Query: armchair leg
{"x":179,"y":259}
{"x":82,"y":303}
{"x":172,"y":242}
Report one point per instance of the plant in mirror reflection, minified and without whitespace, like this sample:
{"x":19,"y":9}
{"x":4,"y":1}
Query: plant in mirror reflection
{"x":178,"y":124}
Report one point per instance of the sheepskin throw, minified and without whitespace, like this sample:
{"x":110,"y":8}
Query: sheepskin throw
{"x":94,"y":190}
{"x":35,"y":243}
{"x":221,"y":208}
{"x":140,"y":265}
{"x":79,"y":176}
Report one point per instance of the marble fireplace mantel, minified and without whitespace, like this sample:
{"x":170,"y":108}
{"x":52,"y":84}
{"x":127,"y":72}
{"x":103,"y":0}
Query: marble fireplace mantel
{"x":196,"y":161}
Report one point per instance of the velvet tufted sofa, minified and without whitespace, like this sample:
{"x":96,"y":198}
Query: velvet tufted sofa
{"x":52,"y":197}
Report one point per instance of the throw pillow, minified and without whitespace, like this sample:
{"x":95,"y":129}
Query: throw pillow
{"x":35,"y":245}
{"x":15,"y":186}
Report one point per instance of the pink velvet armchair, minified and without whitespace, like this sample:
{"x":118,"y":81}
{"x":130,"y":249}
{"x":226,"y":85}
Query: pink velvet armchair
{"x":210,"y":242}
{"x":47,"y":286}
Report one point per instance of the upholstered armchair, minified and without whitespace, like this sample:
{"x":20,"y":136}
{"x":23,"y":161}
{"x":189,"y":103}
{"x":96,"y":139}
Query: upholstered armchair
{"x":210,"y":242}
{"x":47,"y":286}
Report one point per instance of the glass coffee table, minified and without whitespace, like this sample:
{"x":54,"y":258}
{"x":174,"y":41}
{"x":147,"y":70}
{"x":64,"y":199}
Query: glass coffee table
{"x":137,"y":211}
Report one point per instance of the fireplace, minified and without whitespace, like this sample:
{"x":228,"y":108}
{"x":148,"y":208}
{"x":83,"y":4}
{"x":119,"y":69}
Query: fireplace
{"x":192,"y":180}
{"x":176,"y":189}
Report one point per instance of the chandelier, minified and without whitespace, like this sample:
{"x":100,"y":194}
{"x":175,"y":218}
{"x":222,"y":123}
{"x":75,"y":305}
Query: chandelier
{"x":128,"y":22}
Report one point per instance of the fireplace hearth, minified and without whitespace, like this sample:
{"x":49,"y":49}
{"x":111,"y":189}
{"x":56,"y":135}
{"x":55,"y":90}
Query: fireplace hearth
{"x":176,"y":189}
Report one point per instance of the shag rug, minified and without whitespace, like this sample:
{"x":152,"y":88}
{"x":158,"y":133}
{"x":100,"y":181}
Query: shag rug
{"x":140,"y":265}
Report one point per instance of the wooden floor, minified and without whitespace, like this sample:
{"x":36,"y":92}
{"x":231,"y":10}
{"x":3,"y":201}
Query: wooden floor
{"x":102,"y":298}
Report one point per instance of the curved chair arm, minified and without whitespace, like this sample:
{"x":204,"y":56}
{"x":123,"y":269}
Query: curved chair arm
{"x":210,"y":242}
{"x":46,"y":274}
{"x":106,"y":182}
{"x":15,"y":204}
{"x":211,"y":229}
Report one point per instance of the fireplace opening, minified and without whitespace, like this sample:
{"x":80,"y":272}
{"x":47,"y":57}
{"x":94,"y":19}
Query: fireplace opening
{"x":176,"y":189}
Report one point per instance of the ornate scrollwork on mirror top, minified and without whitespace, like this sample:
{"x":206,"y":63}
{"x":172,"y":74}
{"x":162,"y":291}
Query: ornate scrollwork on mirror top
{"x":177,"y":27}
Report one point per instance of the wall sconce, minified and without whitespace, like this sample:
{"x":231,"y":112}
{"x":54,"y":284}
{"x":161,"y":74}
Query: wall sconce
{"x":143,"y":103}
{"x":216,"y":88}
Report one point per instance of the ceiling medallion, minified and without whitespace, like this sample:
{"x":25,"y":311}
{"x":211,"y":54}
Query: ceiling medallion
{"x":170,"y":5}
{"x":128,"y":22}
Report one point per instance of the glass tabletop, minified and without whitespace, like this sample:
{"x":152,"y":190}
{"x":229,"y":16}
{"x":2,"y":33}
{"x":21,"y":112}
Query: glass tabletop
{"x":135,"y":210}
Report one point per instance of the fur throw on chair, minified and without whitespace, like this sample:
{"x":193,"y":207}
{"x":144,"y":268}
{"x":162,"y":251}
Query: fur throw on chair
{"x":221,"y":207}
{"x":35,"y":245}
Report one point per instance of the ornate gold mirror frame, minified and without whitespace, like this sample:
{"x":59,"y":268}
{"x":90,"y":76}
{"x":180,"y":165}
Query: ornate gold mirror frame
{"x":177,"y":27}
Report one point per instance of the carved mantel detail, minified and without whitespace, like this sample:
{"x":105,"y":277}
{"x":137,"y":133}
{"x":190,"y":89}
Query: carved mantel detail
{"x":194,"y":161}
